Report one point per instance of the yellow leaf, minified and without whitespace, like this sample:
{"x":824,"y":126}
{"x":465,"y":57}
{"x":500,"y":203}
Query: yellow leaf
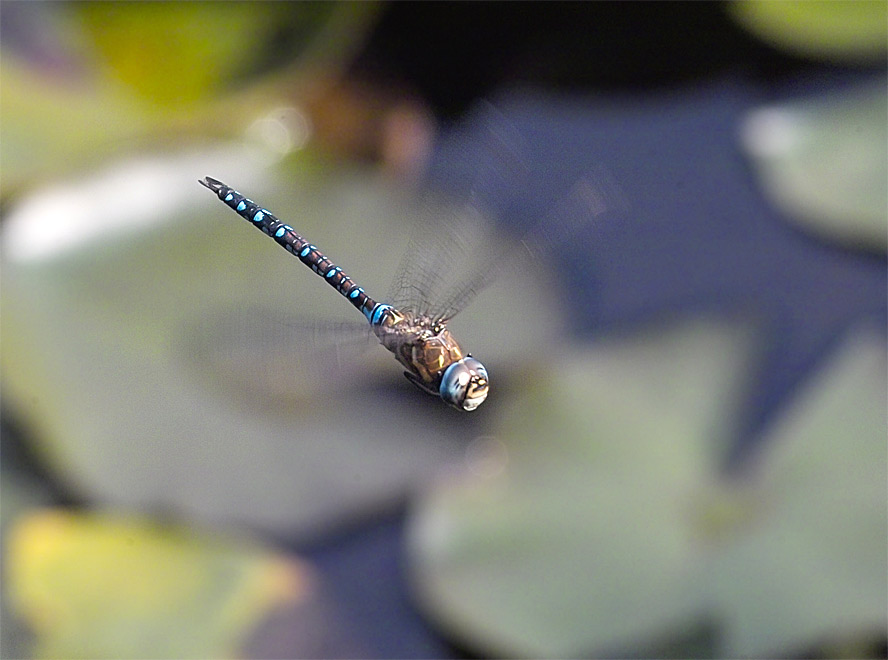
{"x":99,"y":585}
{"x":851,"y":30}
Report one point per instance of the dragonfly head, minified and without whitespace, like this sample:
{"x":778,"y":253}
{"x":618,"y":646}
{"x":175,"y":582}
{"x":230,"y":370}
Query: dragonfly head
{"x":464,"y":384}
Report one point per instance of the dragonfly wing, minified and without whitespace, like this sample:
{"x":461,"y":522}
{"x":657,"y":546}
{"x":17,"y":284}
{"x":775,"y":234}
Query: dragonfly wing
{"x":262,"y":354}
{"x":591,"y":196}
{"x":461,"y":242}
{"x":454,"y":219}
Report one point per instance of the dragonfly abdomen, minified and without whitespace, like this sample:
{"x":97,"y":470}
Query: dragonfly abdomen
{"x":376,"y":313}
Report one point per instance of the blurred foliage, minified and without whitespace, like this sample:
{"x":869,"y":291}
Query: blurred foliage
{"x":128,"y":75}
{"x":172,"y":54}
{"x":843,"y":30}
{"x":196,"y":49}
{"x":824,"y":163}
{"x":20,"y":493}
{"x":105,"y":586}
{"x":614,"y":530}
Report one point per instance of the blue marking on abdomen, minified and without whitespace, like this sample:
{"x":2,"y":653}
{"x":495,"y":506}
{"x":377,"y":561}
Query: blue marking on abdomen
{"x":378,"y":313}
{"x":263,"y":219}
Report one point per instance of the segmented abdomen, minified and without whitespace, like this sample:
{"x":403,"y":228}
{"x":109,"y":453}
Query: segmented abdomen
{"x":375,"y":312}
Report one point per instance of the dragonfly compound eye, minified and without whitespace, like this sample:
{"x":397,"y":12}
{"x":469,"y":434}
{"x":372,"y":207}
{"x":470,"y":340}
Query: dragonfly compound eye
{"x":464,"y":384}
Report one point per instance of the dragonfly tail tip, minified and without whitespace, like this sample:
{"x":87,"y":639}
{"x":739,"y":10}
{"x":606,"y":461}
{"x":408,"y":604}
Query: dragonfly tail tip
{"x":211,"y":183}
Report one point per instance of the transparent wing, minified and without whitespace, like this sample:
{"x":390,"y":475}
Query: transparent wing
{"x":499,"y":253}
{"x":454,"y":232}
{"x":460,"y":244}
{"x":261,"y":354}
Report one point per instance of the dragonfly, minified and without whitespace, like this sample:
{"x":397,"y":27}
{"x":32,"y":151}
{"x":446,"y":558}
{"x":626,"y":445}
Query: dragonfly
{"x":452,"y":256}
{"x":421,"y":342}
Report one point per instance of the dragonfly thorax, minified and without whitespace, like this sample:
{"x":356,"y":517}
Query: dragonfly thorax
{"x":434,"y":360}
{"x":425,"y":347}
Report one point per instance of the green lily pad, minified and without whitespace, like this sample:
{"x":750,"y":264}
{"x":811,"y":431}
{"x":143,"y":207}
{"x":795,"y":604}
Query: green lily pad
{"x":193,"y":47}
{"x":103,"y":586}
{"x":586,"y":541}
{"x":197,"y":48}
{"x":850,"y":30}
{"x":612,"y":528}
{"x":811,"y":568}
{"x":824,"y":164}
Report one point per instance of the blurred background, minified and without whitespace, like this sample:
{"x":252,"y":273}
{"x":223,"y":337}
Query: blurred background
{"x":683,"y":453}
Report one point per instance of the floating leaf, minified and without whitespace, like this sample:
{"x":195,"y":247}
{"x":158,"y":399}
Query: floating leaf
{"x":587,"y":541}
{"x":825,"y":165}
{"x":103,"y":586}
{"x":614,"y":530}
{"x":174,"y":53}
{"x":849,"y":30}
{"x":812,"y":567}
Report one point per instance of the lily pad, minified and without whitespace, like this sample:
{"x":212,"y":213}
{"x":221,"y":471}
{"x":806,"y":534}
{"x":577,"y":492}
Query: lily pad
{"x":193,"y":47}
{"x":613,"y":529}
{"x":825,"y":165}
{"x":585,"y":542}
{"x":104,"y":586}
{"x":810,"y":568}
{"x":851,"y":30}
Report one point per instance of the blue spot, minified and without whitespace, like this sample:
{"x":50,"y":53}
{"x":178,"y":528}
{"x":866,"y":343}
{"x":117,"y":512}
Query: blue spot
{"x":280,"y":232}
{"x":356,"y":293}
{"x":259,"y":216}
{"x":378,"y":313}
{"x":229,"y":197}
{"x":241,"y":206}
{"x":305,"y":251}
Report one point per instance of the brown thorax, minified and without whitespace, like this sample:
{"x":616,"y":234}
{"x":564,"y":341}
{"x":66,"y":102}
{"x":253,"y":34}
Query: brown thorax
{"x":424,"y":347}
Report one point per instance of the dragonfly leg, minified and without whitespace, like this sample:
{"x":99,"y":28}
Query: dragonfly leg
{"x":421,"y":384}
